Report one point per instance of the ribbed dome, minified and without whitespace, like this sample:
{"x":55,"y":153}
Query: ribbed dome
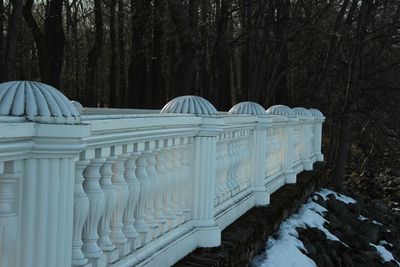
{"x":280,"y":110}
{"x":189,"y":104}
{"x":37,"y":102}
{"x":316,"y":113}
{"x":248,"y":107}
{"x":299,"y":111}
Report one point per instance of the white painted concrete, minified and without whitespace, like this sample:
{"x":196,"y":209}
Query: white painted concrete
{"x":124,"y":188}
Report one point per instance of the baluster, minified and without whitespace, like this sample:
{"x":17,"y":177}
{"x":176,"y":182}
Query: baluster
{"x":141,"y":174}
{"x":236,"y":160}
{"x":226,"y":172}
{"x":174,"y":220}
{"x":134,"y":191}
{"x":168,"y":196}
{"x":150,"y":212}
{"x":231,"y":184}
{"x":96,"y":207}
{"x":219,"y":176}
{"x":110,"y":193}
{"x":81,"y":210}
{"x":117,"y":235}
{"x":161,"y":187}
{"x":187,"y":181}
{"x":177,"y":183}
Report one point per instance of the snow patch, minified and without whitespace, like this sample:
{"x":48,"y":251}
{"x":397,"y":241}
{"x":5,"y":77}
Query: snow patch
{"x":384,"y":242}
{"x":286,"y":250}
{"x":345,"y":199}
{"x":362,"y":218}
{"x":386,"y":255}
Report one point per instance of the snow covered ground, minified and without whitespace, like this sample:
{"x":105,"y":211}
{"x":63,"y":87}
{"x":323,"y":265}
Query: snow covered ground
{"x":284,"y":249}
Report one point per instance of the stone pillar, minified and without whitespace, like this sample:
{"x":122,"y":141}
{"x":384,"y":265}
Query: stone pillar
{"x":46,"y":196}
{"x":288,"y":151}
{"x":318,"y":139}
{"x":258,"y":163}
{"x":305,"y":144}
{"x":204,"y":180}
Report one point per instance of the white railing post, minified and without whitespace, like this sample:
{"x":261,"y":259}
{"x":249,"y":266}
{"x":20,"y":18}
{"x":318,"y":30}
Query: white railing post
{"x":317,"y":128}
{"x":204,"y":171}
{"x":288,"y":152}
{"x":46,"y":196}
{"x":318,"y":139}
{"x":259,"y":161}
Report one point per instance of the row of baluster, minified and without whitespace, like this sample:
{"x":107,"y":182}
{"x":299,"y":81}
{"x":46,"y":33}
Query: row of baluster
{"x":124,"y":198}
{"x":233,"y":167}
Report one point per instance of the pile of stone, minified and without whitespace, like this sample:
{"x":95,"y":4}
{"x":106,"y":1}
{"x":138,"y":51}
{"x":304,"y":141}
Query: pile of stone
{"x":360,"y":228}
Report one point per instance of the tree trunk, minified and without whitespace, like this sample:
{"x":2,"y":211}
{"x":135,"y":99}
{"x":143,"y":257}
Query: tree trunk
{"x":1,"y":39}
{"x":158,"y":86}
{"x":121,"y":46}
{"x":137,"y":79}
{"x":186,"y":25}
{"x":93,"y":57}
{"x":50,"y":42}
{"x":342,"y":152}
{"x":113,"y":94}
{"x":11,"y":39}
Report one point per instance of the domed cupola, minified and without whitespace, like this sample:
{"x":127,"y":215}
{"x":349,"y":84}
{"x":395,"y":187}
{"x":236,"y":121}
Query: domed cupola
{"x":248,"y":107}
{"x":36,"y":102}
{"x":190,"y":104}
{"x":280,"y":110}
{"x":302,"y":112}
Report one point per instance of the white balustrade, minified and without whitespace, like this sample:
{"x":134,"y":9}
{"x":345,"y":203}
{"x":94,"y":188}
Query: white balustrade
{"x":139,"y":188}
{"x":117,"y":235}
{"x":97,"y":203}
{"x":134,"y":189}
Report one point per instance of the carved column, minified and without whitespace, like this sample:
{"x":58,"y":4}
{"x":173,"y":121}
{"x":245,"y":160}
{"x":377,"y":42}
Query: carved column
{"x":178,"y":182}
{"x":186,"y":179}
{"x":134,"y":190}
{"x":258,"y":162}
{"x":288,"y":151}
{"x":141,"y":174}
{"x":110,"y":193}
{"x":168,"y":196}
{"x":96,"y":206}
{"x":118,"y":179}
{"x":152,"y":175}
{"x":81,"y":209}
{"x":161,"y":188}
{"x":203,"y":189}
{"x":305,"y":140}
{"x":318,"y":139}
